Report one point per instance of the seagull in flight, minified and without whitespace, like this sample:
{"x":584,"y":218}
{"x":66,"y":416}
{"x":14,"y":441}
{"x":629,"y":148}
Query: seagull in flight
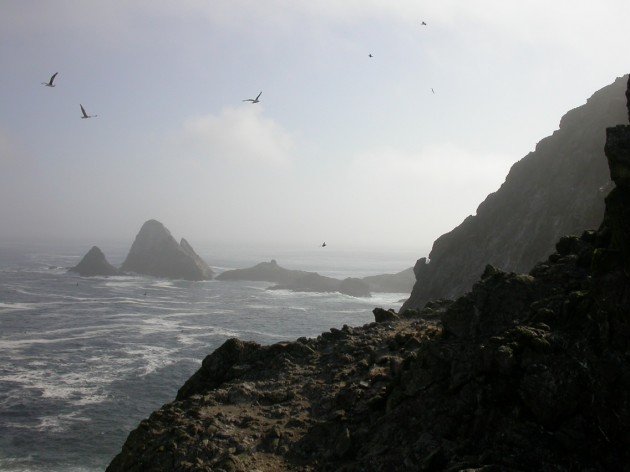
{"x":253,"y":100}
{"x":85,"y":115}
{"x":50,"y":82}
{"x":324,"y":244}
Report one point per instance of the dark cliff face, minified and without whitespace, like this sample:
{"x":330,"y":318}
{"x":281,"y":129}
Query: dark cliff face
{"x":556,"y":190}
{"x":93,"y":264}
{"x":155,"y":252}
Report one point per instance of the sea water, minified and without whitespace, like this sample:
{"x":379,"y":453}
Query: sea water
{"x":83,"y":360}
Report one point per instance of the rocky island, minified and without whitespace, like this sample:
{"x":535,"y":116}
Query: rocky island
{"x":313,"y":282}
{"x":297,"y":280}
{"x":524,"y":372}
{"x":401,"y":282}
{"x":94,"y":263}
{"x":303,"y":281}
{"x":263,"y":272}
{"x":155,"y":252}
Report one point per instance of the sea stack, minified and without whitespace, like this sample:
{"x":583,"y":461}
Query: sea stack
{"x":94,"y":263}
{"x":155,"y":252}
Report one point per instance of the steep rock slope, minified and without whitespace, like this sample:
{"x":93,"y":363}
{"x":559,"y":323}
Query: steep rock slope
{"x":94,"y":263}
{"x":155,"y":252}
{"x":525,"y":372}
{"x":558,"y":189}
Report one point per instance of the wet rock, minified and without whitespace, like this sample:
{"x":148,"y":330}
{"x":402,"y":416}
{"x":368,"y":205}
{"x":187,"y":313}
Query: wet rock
{"x":381,"y":315}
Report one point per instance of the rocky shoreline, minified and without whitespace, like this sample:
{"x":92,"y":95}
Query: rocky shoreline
{"x":525,"y":372}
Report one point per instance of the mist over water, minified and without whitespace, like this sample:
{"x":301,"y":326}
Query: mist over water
{"x":85,"y":359}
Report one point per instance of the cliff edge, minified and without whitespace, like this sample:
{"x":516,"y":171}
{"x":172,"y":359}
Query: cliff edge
{"x":557,"y":189}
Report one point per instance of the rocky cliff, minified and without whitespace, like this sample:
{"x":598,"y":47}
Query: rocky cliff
{"x":555,"y":190}
{"x":94,"y":263}
{"x":155,"y":252}
{"x":525,"y":372}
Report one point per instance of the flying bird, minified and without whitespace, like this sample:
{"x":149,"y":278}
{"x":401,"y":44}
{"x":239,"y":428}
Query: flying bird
{"x":50,"y":82}
{"x":85,"y":115}
{"x":324,"y":244}
{"x":433,"y":91}
{"x":423,"y":23}
{"x":253,"y":100}
{"x":370,"y":55}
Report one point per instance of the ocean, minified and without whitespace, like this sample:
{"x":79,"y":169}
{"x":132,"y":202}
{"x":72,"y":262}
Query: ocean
{"x":83,"y":360}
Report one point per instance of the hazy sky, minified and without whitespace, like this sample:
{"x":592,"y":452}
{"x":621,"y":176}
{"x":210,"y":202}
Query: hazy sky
{"x":344,"y":148}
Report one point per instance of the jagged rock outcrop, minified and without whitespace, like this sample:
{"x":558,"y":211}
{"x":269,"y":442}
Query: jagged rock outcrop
{"x":263,"y":272}
{"x":558,"y":189}
{"x":155,"y":252}
{"x":313,"y":282}
{"x":524,"y":372}
{"x":94,"y":263}
{"x":401,"y":282}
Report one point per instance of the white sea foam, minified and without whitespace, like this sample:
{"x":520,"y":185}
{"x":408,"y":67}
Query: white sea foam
{"x":59,"y":423}
{"x":11,"y":307}
{"x":78,"y":389}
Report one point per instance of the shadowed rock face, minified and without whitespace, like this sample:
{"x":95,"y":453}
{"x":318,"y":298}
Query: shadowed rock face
{"x":155,"y":252}
{"x":93,"y":264}
{"x":558,"y":189}
{"x":524,"y":372}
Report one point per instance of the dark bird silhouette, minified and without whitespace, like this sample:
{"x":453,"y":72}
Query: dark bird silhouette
{"x":253,"y":100}
{"x":370,"y":55}
{"x":423,"y":23}
{"x":324,"y":244}
{"x":50,"y":82}
{"x":433,"y":91}
{"x":85,"y":115}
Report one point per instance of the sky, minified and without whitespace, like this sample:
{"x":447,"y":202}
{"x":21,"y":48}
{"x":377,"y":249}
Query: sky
{"x":353,"y":150}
